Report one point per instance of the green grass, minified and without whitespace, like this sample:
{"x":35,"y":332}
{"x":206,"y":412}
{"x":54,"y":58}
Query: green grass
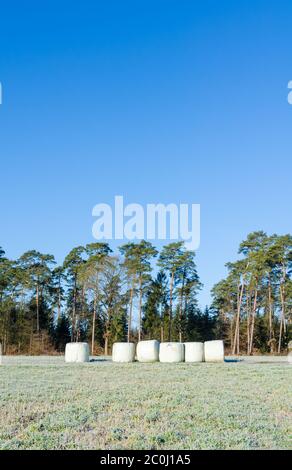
{"x":47,"y":404}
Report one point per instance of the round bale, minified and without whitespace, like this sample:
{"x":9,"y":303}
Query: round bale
{"x":214,"y":351}
{"x":77,"y":352}
{"x":171,"y":352}
{"x":148,"y":351}
{"x":123,"y":352}
{"x":194,"y":352}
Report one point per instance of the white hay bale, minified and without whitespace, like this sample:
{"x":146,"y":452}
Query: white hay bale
{"x":123,"y":352}
{"x":289,"y":357}
{"x":171,"y":352}
{"x":148,"y":351}
{"x":77,"y":352}
{"x":194,"y":352}
{"x":214,"y":351}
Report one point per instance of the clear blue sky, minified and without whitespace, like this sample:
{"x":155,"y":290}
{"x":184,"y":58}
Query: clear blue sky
{"x":160,"y":101}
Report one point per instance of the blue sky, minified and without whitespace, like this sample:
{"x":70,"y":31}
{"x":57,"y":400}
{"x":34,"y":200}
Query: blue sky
{"x":159,"y":101}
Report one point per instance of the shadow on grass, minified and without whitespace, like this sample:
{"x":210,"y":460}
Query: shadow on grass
{"x":233,"y":360}
{"x":99,"y":360}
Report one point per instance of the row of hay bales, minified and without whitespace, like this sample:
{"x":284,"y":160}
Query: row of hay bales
{"x":153,"y":351}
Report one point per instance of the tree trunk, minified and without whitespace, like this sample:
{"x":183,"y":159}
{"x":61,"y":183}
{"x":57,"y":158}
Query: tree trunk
{"x":93,"y":327}
{"x":106,"y":345}
{"x":73,"y":310}
{"x":238,"y":339}
{"x":185,"y":312}
{"x":280,"y":337}
{"x":282,"y":321}
{"x":181,"y":312}
{"x":161,"y":325}
{"x":170,"y":305}
{"x":232,"y":332}
{"x":140,"y":308}
{"x":130,"y":315}
{"x":59,"y":299}
{"x":271,"y":332}
{"x":253,"y":322}
{"x":77,"y":328}
{"x":236,"y":333}
{"x":37,"y":308}
{"x":248,"y":322}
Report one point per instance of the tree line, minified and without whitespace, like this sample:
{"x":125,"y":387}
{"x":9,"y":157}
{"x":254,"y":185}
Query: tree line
{"x":102,"y":297}
{"x":254,"y":301}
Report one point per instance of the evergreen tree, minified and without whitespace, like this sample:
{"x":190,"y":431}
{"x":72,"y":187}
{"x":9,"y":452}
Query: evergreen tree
{"x":171,"y":260}
{"x":62,"y":334}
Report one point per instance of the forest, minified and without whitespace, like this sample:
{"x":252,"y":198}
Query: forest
{"x":139,"y":293}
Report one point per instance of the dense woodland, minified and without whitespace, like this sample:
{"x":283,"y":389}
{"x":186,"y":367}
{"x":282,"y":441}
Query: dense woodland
{"x":100,"y":297}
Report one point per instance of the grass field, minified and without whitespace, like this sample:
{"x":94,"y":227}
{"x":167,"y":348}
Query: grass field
{"x":47,"y":404}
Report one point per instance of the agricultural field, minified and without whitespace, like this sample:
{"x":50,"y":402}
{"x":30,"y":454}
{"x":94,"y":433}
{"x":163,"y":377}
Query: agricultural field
{"x":47,"y":404}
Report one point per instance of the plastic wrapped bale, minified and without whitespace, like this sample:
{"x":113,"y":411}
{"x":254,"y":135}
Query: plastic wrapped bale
{"x":123,"y":352}
{"x":194,"y":352}
{"x":77,"y":352}
{"x":214,"y":351}
{"x":171,"y":352}
{"x":148,"y":351}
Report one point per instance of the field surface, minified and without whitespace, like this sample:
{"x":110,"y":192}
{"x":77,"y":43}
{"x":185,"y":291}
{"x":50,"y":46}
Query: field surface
{"x":47,"y":404}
